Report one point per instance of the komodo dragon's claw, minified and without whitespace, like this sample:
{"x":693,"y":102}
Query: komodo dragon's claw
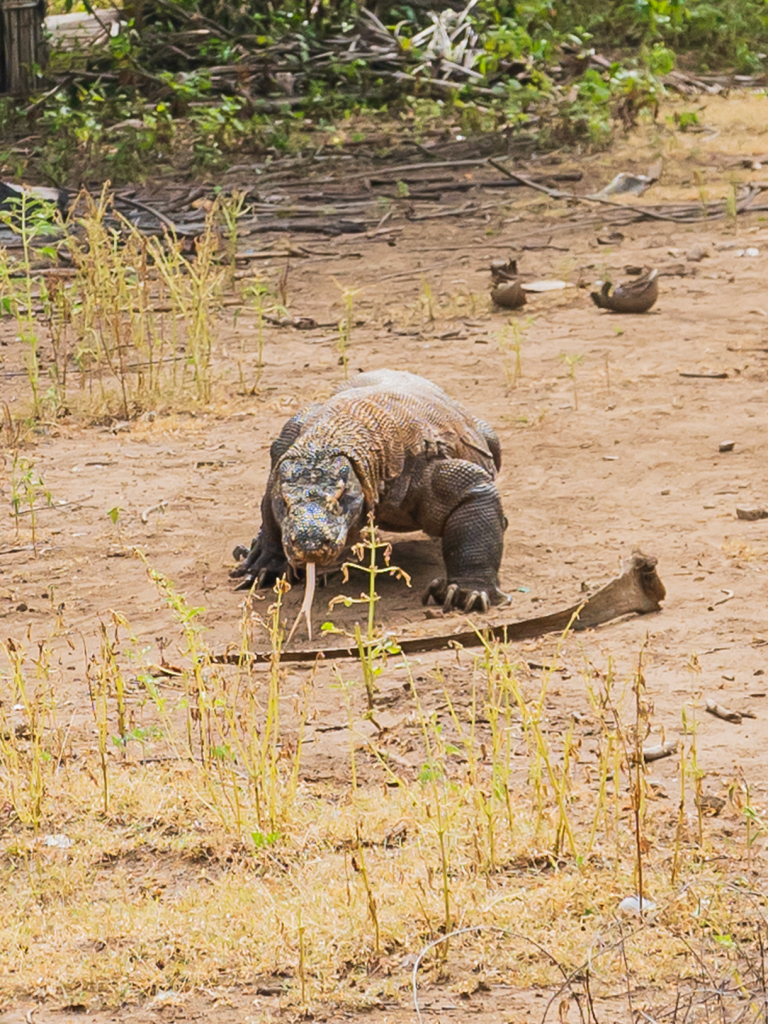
{"x":453,"y":596}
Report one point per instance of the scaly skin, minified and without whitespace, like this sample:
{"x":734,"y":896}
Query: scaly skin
{"x":394,"y":444}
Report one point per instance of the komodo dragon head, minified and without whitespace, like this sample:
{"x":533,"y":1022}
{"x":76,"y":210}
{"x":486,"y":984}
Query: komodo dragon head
{"x":320,"y":505}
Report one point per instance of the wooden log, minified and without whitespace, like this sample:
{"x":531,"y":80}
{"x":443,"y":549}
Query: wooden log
{"x":21,"y":44}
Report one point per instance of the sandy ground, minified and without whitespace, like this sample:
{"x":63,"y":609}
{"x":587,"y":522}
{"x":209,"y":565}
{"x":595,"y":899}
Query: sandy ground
{"x":626,"y":453}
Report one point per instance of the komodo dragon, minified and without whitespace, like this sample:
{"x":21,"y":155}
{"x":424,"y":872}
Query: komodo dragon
{"x":391,"y":443}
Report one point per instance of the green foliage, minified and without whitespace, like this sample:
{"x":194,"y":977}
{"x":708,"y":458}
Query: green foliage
{"x":600,"y":100}
{"x":160,"y":106}
{"x":687,"y":119}
{"x":717,"y":32}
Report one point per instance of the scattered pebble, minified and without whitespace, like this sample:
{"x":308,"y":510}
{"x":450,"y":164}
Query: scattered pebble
{"x":61,"y":842}
{"x":697,"y":254}
{"x":751,"y":513}
{"x":726,"y":446}
{"x":634,"y":905}
{"x":750,"y":252}
{"x":710,"y":804}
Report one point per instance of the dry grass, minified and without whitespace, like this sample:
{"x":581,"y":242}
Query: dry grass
{"x":131,"y":320}
{"x":169,"y":844}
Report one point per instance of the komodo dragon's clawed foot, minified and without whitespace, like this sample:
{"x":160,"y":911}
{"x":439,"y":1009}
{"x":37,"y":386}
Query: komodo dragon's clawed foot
{"x":465,"y":597}
{"x":259,"y":566}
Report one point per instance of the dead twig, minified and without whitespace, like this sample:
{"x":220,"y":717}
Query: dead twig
{"x":54,"y":505}
{"x":713,"y":708}
{"x":656,"y":753}
{"x":147,"y":209}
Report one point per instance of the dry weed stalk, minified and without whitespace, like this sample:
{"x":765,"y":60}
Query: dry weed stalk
{"x":134,"y":323}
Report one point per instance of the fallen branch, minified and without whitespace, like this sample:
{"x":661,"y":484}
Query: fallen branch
{"x":147,"y":209}
{"x":57,"y":505}
{"x":656,"y":753}
{"x":638,"y":590}
{"x":682,"y":214}
{"x":713,"y":708}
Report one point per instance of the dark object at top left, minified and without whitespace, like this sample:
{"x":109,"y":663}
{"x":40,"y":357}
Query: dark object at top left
{"x":11,"y":194}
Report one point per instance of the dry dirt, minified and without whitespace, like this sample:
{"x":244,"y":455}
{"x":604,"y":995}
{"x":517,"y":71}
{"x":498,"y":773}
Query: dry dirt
{"x":627,"y":452}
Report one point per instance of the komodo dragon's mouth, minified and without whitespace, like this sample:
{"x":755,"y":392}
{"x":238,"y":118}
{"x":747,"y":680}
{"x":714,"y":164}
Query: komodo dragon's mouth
{"x":317,"y":541}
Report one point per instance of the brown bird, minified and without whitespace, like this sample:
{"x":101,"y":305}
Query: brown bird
{"x":506,"y":290}
{"x":631,"y":296}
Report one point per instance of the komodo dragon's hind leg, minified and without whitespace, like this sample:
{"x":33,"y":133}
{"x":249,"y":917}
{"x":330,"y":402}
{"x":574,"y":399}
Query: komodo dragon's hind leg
{"x":472,"y":532}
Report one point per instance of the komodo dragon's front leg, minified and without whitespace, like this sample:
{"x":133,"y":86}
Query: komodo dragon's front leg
{"x":463,"y":507}
{"x":264,"y":561}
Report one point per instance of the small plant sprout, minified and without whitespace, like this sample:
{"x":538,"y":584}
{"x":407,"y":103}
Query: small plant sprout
{"x":346,"y":323}
{"x":640,"y":730}
{"x":29,"y":218}
{"x":265,"y":303}
{"x":259,"y":292}
{"x":25,"y":746}
{"x":282,"y":286}
{"x":510,"y":342}
{"x":27,"y":487}
{"x":572,"y":361}
{"x":360,"y":865}
{"x":701,"y":188}
{"x":427,"y":299}
{"x":300,"y":930}
{"x":732,"y":206}
{"x":114,"y":517}
{"x":230,"y":208}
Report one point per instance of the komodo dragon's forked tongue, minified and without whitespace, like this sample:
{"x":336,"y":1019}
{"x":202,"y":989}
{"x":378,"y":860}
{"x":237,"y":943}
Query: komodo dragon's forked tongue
{"x":305,"y":611}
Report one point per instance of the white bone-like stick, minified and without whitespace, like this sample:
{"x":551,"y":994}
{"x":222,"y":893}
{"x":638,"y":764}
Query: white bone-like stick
{"x":306,"y":605}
